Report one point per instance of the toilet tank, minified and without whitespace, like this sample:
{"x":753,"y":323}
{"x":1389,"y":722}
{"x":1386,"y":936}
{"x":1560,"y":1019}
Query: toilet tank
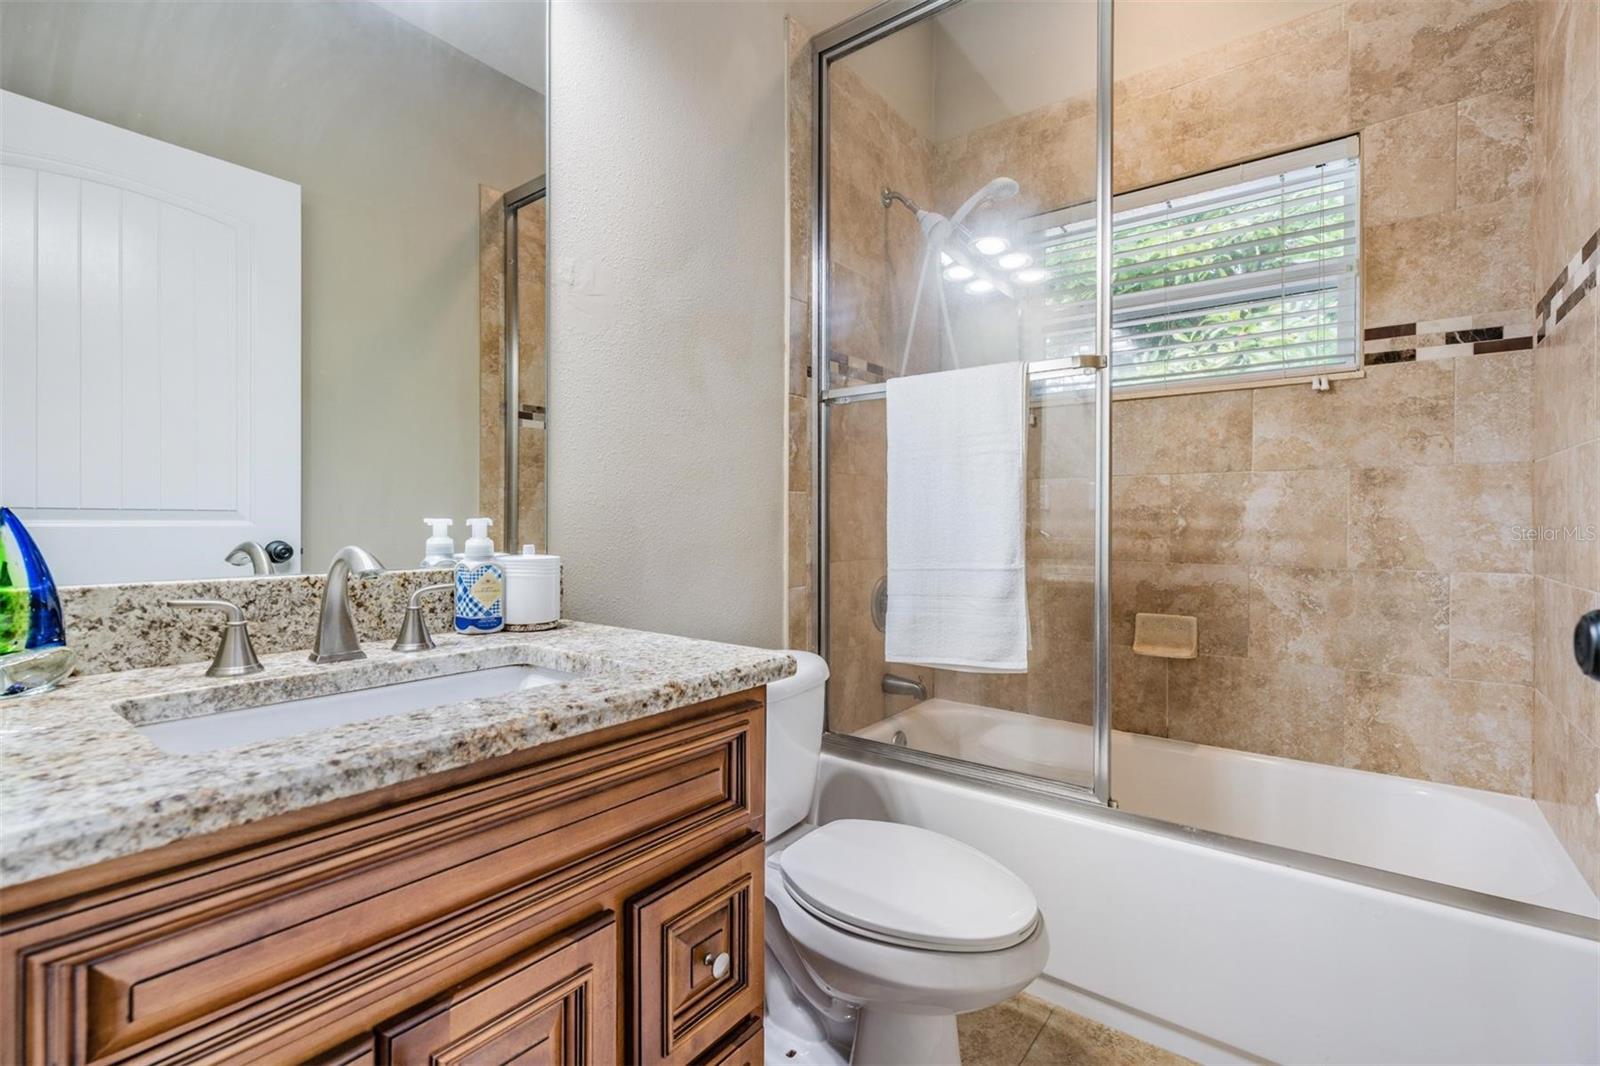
{"x":794,"y":742}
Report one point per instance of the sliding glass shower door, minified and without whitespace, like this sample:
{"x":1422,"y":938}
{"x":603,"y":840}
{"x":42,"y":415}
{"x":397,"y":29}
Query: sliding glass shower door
{"x":945,"y":133}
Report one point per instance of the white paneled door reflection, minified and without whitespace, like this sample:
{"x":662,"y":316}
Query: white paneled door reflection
{"x":149,"y":349}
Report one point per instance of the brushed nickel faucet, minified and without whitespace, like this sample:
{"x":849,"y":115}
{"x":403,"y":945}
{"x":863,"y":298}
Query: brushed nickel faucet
{"x":895,"y":685}
{"x":337,"y":640}
{"x":248,"y":551}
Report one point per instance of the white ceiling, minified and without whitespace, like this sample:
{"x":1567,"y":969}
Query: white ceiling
{"x":507,"y":35}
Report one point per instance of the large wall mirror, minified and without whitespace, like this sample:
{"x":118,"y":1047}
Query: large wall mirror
{"x":273,"y":274}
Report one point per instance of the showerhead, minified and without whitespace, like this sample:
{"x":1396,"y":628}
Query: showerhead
{"x":938,"y":233}
{"x":996,"y":190}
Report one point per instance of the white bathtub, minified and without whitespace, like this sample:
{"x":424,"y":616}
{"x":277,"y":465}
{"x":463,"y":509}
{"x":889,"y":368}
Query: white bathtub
{"x":1485,"y":841}
{"x":1233,"y":953}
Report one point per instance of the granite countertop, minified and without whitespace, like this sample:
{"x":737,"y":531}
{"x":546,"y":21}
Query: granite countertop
{"x":79,"y":784}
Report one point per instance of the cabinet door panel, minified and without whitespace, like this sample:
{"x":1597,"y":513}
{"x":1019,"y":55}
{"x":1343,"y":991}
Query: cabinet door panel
{"x":553,"y":1005}
{"x":696,"y":952}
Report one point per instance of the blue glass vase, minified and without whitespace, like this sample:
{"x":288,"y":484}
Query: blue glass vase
{"x":33,"y":641}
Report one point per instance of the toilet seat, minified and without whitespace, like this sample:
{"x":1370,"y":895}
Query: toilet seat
{"x":907,"y":886}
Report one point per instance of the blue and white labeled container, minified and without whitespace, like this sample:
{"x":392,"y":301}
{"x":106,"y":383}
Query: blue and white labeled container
{"x":480,"y":584}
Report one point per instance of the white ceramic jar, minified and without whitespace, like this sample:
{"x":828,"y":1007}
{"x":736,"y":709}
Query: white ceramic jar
{"x":533,"y":589}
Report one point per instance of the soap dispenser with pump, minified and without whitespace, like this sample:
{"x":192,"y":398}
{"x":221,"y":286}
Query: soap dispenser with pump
{"x":480,"y":583}
{"x":440,"y":549}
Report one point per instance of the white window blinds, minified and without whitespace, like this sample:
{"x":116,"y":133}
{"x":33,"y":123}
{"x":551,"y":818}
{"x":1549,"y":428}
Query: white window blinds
{"x":1237,"y":275}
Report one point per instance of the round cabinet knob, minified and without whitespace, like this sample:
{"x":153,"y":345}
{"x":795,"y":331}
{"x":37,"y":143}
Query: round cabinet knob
{"x":1586,"y":644}
{"x":720,"y":965}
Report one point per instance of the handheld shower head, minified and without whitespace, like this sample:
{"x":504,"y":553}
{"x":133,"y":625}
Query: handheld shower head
{"x":996,"y":190}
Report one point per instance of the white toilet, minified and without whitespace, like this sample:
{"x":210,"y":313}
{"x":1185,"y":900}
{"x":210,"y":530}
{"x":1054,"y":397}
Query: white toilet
{"x":877,"y":934}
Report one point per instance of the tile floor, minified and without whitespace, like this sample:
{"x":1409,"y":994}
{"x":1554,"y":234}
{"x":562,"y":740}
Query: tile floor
{"x":1024,"y":1031}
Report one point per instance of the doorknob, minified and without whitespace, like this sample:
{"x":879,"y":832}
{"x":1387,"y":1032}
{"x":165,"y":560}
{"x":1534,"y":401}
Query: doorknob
{"x":1586,"y":644}
{"x":280,"y":551}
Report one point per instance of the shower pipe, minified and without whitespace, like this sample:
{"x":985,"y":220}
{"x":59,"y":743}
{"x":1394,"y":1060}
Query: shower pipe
{"x":928,"y":248}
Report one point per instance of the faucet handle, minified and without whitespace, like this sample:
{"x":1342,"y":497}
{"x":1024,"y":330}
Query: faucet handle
{"x":235,"y":657}
{"x":414,"y":635}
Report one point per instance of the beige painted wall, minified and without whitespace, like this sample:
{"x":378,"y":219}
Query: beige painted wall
{"x":389,"y":132}
{"x":666,"y":345}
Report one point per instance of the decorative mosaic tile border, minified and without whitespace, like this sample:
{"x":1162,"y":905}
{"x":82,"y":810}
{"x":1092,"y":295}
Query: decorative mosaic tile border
{"x":850,"y":370}
{"x":1446,"y":338}
{"x":1576,"y":280}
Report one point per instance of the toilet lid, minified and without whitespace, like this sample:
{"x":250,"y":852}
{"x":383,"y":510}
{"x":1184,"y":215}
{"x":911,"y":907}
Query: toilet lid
{"x":908,"y":885}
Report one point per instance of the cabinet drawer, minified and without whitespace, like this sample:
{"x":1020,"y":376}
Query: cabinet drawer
{"x":696,"y":955}
{"x":744,"y":1048}
{"x":328,"y":926}
{"x":553,"y":1004}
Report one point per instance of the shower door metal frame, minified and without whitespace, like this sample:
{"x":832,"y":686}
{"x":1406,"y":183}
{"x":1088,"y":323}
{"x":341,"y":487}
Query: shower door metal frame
{"x":850,"y":36}
{"x":511,"y":371}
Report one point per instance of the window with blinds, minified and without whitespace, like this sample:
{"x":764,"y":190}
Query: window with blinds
{"x":1238,"y":275}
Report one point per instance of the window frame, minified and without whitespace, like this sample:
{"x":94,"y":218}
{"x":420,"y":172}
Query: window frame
{"x":1347,"y":365}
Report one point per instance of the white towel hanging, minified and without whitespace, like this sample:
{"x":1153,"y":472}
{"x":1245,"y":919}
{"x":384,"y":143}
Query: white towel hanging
{"x":957,"y":466}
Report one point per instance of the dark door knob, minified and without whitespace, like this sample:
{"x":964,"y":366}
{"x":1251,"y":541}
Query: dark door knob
{"x":1586,"y":644}
{"x":280,"y":551}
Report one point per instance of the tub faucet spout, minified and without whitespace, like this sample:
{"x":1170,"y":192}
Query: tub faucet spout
{"x":895,"y":685}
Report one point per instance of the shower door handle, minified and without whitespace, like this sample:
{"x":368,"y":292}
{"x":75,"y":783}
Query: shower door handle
{"x":1586,"y":644}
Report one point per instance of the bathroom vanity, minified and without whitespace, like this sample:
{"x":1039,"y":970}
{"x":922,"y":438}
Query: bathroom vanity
{"x":568,"y":873}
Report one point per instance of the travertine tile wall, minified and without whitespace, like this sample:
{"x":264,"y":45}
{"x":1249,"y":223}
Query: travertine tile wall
{"x":1353,"y":556}
{"x":1355,"y":563}
{"x":1565,"y":436}
{"x":530,"y":365}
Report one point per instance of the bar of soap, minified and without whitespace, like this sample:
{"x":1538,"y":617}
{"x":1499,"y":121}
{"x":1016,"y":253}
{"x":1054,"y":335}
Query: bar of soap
{"x":1166,"y":636}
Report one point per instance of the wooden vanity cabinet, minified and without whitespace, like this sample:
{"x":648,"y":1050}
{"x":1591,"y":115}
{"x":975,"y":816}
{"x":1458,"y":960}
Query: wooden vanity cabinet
{"x":592,"y":901}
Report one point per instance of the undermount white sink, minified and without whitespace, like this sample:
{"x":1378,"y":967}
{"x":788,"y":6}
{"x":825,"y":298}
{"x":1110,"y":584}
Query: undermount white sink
{"x":230,"y":729}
